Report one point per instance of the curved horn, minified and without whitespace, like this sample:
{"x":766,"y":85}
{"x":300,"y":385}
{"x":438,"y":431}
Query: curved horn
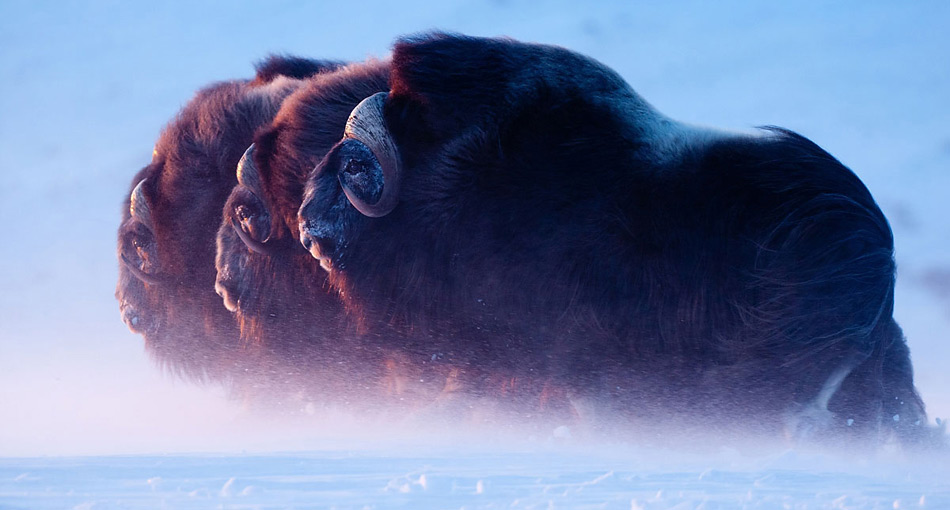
{"x":249,"y":177}
{"x":247,"y":173}
{"x":140,"y":211}
{"x":368,"y":125}
{"x":138,"y":273}
{"x":252,"y":244}
{"x":138,"y":205}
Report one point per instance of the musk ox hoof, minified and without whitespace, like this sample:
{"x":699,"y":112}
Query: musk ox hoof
{"x":808,"y":423}
{"x":814,"y":420}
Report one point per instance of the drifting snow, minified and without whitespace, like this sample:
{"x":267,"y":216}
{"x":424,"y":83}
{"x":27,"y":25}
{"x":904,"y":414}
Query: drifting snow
{"x":87,"y":87}
{"x":540,"y":479}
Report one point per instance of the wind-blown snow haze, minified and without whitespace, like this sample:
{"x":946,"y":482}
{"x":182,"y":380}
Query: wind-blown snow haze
{"x":88,"y":86}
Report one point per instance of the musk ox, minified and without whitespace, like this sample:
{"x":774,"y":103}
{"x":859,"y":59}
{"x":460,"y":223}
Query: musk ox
{"x":282,"y":297}
{"x":279,"y":294}
{"x":166,"y":238}
{"x":259,"y":260}
{"x":519,"y":208}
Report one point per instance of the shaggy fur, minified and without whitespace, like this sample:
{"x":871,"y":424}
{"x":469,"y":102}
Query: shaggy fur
{"x":186,"y":184}
{"x":282,"y":298}
{"x":552,"y":226}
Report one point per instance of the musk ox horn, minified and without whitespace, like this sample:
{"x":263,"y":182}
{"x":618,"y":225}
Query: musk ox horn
{"x":138,"y":205}
{"x":247,"y":174}
{"x":253,"y":244}
{"x":140,"y":211}
{"x":138,"y":273}
{"x":249,"y":177}
{"x":368,"y":126}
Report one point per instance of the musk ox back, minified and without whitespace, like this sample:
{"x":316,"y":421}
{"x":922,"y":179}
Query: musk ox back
{"x":166,"y":238}
{"x":521,"y":209}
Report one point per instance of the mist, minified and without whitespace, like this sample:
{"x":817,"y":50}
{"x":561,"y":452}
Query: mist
{"x":88,"y":87}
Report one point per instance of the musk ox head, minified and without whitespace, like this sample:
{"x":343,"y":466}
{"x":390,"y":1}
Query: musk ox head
{"x":166,"y":238}
{"x":525,"y":201}
{"x":263,"y":274}
{"x":278,"y":293}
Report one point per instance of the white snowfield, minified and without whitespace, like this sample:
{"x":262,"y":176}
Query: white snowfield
{"x":87,"y":86}
{"x":542,"y":479}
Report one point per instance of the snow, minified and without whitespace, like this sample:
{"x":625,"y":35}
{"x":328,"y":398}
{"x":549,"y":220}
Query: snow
{"x":88,"y":85}
{"x":626,"y":479}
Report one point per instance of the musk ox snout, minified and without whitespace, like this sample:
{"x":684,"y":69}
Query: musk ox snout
{"x":227,"y":289}
{"x":322,"y":217}
{"x":319,"y":238}
{"x":135,"y":319}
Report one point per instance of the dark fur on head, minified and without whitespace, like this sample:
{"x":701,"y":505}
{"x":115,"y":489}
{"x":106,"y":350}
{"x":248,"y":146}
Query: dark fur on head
{"x":553,"y":225}
{"x":185,"y":185}
{"x":281,"y":298}
{"x":290,"y":66}
{"x":260,"y":285}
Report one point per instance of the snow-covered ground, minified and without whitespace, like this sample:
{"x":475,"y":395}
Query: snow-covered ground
{"x":88,"y":85}
{"x":629,"y":479}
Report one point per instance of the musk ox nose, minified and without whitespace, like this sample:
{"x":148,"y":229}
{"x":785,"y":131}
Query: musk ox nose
{"x":315,"y":238}
{"x":305,"y":238}
{"x":227,"y":289}
{"x":133,"y":318}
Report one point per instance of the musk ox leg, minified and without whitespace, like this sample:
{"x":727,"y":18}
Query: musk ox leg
{"x":878,"y":400}
{"x":404,"y":380}
{"x":903,"y":412}
{"x":465,"y":397}
{"x":814,"y":417}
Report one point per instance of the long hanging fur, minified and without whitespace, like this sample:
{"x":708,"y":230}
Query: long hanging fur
{"x":553,"y":225}
{"x":188,"y":180}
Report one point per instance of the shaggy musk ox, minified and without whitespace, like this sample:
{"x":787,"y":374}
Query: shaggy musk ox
{"x":260,"y":263}
{"x":282,"y":297}
{"x":521,"y":209}
{"x":278,"y":292}
{"x":166,"y":238}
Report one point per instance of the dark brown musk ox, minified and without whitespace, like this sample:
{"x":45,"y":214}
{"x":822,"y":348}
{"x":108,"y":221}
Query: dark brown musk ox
{"x":279,"y":294}
{"x":166,"y":238}
{"x":521,"y":207}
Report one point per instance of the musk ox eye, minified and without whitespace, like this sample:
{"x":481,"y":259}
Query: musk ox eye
{"x":360,"y":173}
{"x":254,"y":221}
{"x":139,"y":244}
{"x":140,"y":241}
{"x":143,"y":245}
